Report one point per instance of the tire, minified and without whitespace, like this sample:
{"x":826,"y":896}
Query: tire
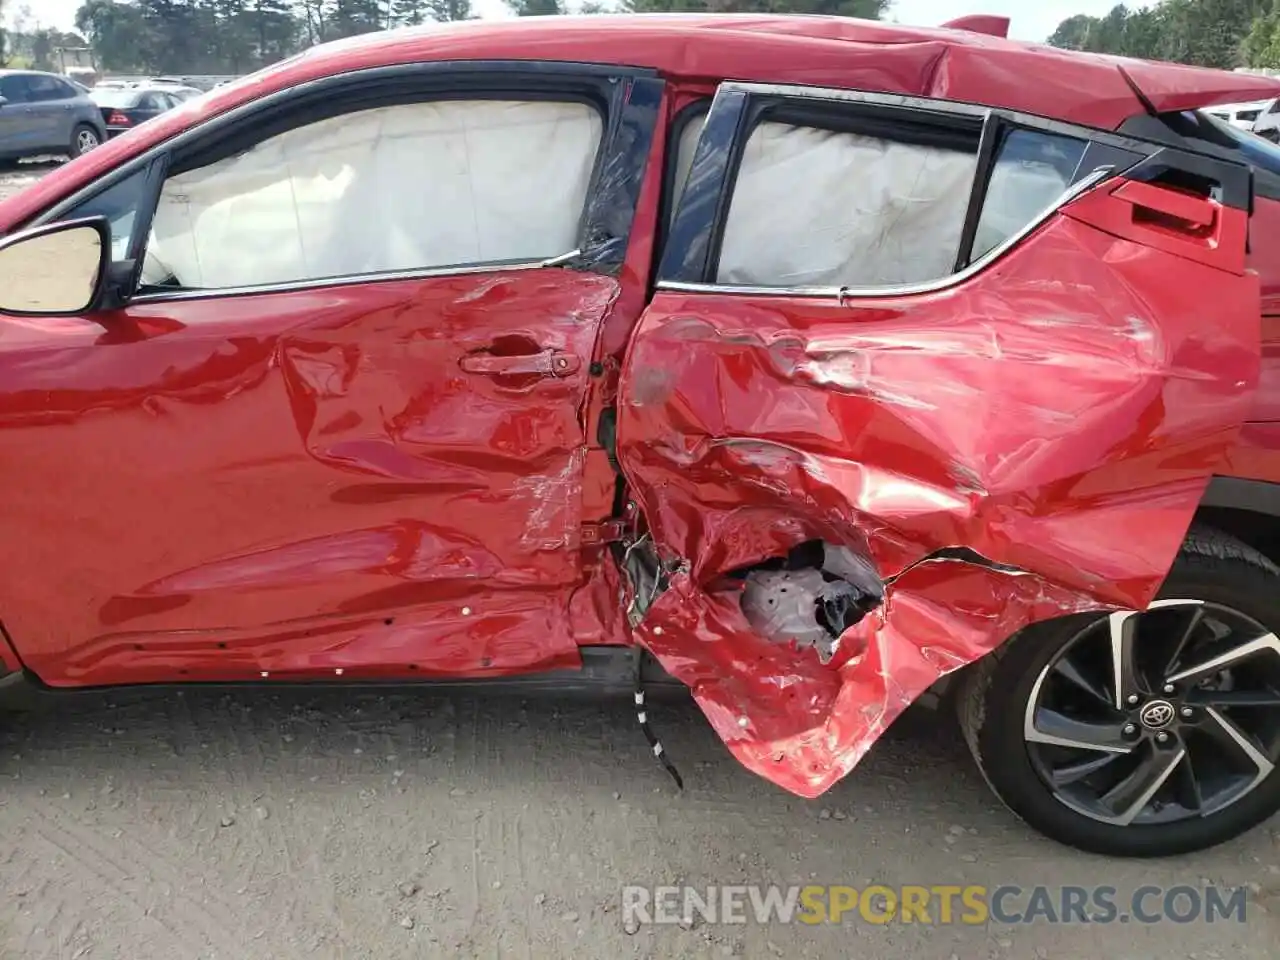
{"x":999,"y":698}
{"x":83,"y":139}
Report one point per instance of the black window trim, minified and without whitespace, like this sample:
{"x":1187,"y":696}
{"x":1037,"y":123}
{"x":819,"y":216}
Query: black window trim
{"x":690,"y":257}
{"x":989,"y":142}
{"x":1158,"y":129}
{"x":687,"y":115}
{"x":628,"y":99}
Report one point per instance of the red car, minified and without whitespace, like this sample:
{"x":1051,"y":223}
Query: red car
{"x":817,"y":360}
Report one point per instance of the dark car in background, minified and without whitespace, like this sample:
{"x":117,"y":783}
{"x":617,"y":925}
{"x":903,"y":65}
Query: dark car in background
{"x":43,"y":113}
{"x":122,"y":110}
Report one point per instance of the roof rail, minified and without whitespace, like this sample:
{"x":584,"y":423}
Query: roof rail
{"x":980,"y":23}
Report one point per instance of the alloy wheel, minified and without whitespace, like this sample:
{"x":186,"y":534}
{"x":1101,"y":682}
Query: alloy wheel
{"x":1160,"y":716}
{"x":86,"y":140}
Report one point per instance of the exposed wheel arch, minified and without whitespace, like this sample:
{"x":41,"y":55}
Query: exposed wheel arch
{"x":1248,"y":510}
{"x":1244,"y":510}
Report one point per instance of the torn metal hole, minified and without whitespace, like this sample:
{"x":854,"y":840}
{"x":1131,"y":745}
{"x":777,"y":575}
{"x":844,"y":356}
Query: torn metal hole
{"x":647,"y":576}
{"x":812,"y":596}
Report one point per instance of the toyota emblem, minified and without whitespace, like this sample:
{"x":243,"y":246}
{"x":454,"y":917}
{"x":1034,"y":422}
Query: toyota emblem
{"x":1157,"y":714}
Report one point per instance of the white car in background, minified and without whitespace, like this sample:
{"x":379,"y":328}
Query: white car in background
{"x":1242,"y":115}
{"x":1268,"y":124}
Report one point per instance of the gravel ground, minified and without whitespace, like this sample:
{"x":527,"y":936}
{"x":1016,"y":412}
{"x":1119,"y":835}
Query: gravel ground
{"x":339,"y":824}
{"x":415,"y":824}
{"x":13,"y":177}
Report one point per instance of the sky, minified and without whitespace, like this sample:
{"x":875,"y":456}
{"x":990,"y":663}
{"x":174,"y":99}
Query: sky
{"x":1031,"y":20}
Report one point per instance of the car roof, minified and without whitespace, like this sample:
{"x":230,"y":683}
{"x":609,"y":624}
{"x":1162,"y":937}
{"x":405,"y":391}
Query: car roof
{"x":956,"y":64}
{"x":951,"y":64}
{"x":137,"y":90}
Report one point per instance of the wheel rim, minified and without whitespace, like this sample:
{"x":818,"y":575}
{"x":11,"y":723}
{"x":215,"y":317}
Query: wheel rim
{"x":1158,"y":717}
{"x":86,"y":140}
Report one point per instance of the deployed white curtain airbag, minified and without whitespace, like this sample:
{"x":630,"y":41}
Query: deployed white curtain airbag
{"x":818,"y":208}
{"x":395,"y":188}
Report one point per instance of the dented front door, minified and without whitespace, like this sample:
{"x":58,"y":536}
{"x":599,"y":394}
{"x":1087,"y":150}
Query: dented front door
{"x":361,"y":475}
{"x":992,"y":358}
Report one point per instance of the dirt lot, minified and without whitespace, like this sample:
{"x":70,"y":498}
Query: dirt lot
{"x":334,"y":824}
{"x":344,"y":825}
{"x":14,"y":177}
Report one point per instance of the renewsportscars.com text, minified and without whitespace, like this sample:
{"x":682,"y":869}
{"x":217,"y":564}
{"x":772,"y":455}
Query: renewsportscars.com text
{"x":944,"y":904}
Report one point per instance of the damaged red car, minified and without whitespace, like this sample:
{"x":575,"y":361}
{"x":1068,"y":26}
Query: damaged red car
{"x":824,"y":366}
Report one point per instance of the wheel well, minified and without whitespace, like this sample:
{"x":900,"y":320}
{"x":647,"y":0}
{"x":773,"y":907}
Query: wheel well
{"x":1254,"y":528}
{"x":1259,"y":530}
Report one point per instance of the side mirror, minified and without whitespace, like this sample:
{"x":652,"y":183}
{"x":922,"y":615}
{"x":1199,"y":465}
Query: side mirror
{"x":3,"y":101}
{"x":59,"y":269}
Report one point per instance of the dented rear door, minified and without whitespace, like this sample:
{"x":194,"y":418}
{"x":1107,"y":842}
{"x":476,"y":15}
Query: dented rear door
{"x":964,"y":369}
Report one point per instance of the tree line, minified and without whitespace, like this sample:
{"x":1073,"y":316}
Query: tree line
{"x":236,"y":36}
{"x":1210,"y":33}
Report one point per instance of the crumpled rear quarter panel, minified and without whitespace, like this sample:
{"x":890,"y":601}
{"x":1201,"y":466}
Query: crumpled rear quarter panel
{"x":1059,"y":414}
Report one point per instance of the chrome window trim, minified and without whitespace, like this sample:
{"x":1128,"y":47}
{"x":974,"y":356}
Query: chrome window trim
{"x":345,"y":280}
{"x":907,"y":101}
{"x":905,"y":289}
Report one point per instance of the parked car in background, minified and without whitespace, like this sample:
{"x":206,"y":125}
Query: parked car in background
{"x":122,"y":110}
{"x":1241,"y":115}
{"x":179,"y":92}
{"x":44,"y":113}
{"x":179,"y":87}
{"x":1268,"y":123}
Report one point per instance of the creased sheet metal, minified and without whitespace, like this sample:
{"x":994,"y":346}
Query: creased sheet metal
{"x":301,"y":483}
{"x":1058,"y":415}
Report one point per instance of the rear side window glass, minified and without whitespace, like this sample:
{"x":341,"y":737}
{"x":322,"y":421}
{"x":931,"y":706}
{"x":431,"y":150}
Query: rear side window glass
{"x":1032,"y":171}
{"x":813,"y":207}
{"x":45,"y":88}
{"x":817,"y":207}
{"x":415,"y":186}
{"x":14,"y":89}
